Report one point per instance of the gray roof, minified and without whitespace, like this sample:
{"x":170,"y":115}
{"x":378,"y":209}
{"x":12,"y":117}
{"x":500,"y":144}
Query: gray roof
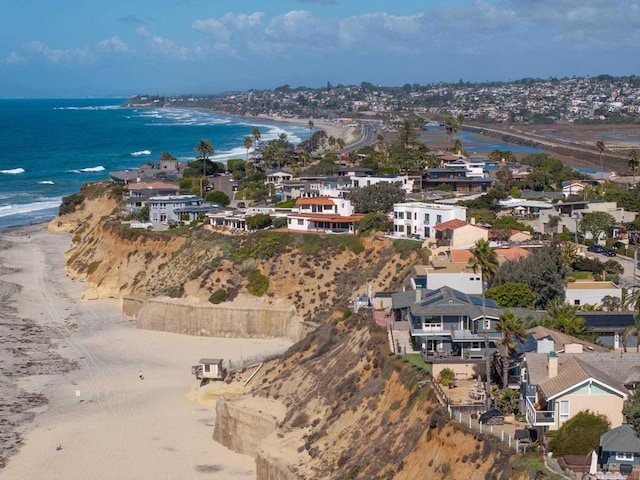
{"x":620,"y":439}
{"x":624,"y":367}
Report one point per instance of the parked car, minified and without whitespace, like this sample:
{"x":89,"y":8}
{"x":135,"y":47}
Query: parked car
{"x":595,"y":248}
{"x":492,"y":417}
{"x":610,"y":252}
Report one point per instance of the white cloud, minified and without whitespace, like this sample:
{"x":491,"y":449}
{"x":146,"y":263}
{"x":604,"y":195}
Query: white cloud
{"x":163,"y":47}
{"x":57,"y":55}
{"x":13,"y":58}
{"x":113,"y":44}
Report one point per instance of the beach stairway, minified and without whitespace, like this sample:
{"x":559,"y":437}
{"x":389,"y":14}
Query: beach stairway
{"x":400,"y":339}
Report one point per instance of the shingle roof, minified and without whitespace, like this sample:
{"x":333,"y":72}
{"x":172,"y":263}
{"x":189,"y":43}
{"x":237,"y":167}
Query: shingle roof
{"x":561,"y":339}
{"x":620,"y":439}
{"x":574,"y":372}
{"x":451,"y":225}
{"x":624,"y":367}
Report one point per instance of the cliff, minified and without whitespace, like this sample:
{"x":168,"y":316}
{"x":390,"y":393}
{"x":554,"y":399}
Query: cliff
{"x":337,"y":404}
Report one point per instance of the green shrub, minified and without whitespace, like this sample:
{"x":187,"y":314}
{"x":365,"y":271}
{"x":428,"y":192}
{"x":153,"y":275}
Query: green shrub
{"x":447,"y":376}
{"x":93,"y":266}
{"x":218,"y":197}
{"x":218,"y":296}
{"x":310,"y":244}
{"x":580,"y":434}
{"x":279,"y":222}
{"x":404,"y":246}
{"x":351,"y":242}
{"x":70,"y":203}
{"x":258,"y":283}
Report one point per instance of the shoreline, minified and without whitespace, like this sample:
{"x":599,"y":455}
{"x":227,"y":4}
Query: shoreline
{"x":71,"y":379}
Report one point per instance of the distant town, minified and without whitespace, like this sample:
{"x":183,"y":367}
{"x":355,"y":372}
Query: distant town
{"x":600,"y":99}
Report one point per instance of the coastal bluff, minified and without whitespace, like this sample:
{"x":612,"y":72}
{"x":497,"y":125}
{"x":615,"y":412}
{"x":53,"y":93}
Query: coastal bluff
{"x":205,"y":319}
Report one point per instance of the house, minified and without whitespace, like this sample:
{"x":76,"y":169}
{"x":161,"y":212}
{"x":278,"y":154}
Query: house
{"x":448,"y":322}
{"x":176,"y":209}
{"x":354,"y":171}
{"x":457,"y":180}
{"x":457,"y":275}
{"x":291,"y":189}
{"x":418,"y":219}
{"x":555,"y":388}
{"x":458,"y":233}
{"x":369,"y":180}
{"x":276,"y":177}
{"x":609,"y":327}
{"x":620,"y":450}
{"x":323,"y":214}
{"x":591,"y":292}
{"x":139,"y":193}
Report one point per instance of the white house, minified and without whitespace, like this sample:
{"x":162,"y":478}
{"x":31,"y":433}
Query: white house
{"x":591,"y":293}
{"x":323,"y":214}
{"x":457,"y":275}
{"x":417,"y":219}
{"x":473,"y":168}
{"x":403,"y":180}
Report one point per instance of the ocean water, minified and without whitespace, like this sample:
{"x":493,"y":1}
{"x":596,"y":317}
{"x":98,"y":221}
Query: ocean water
{"x":50,"y":147}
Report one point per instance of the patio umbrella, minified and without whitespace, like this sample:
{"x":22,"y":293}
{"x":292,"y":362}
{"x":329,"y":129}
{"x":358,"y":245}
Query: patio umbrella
{"x":593,"y":468}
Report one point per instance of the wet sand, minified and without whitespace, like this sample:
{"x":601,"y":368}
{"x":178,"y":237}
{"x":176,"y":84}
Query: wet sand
{"x":70,"y":378}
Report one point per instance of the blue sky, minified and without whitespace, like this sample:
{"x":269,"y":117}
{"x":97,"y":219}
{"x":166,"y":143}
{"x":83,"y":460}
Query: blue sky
{"x":122,"y":47}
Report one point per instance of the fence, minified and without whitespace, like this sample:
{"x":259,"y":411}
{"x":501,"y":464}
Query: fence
{"x":245,"y":362}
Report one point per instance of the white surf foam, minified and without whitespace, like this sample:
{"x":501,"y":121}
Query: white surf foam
{"x":7,"y":210}
{"x":46,"y":182}
{"x":140,"y":153}
{"x":99,"y":168}
{"x":13,"y":171}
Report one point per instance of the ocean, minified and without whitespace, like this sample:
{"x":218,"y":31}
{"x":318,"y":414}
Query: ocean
{"x":50,"y":147}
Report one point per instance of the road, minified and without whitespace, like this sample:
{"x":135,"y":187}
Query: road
{"x":626,"y":262}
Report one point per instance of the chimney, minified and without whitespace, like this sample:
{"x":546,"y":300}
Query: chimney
{"x":553,"y":364}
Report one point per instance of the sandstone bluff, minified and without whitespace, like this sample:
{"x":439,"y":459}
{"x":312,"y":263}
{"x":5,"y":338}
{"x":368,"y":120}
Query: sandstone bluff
{"x":336,"y":405}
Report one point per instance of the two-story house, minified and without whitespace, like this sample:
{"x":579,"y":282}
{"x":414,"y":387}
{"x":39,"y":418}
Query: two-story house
{"x":323,"y":214}
{"x":418,"y":219}
{"x":176,"y":209}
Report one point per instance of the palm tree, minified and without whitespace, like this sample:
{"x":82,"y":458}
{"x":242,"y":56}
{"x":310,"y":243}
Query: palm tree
{"x":310,"y":125}
{"x":204,"y":148}
{"x":512,"y":328}
{"x":484,"y":259}
{"x":600,"y":147}
{"x":451,"y":126}
{"x":564,"y":318}
{"x":255,"y":133}
{"x":633,"y":162}
{"x":247,"y":144}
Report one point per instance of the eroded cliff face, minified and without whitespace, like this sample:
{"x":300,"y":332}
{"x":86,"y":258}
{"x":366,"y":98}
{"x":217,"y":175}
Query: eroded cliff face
{"x":354,"y":411}
{"x":337,"y":405}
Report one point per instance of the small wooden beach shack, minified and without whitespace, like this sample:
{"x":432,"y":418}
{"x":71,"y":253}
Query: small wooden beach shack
{"x":210,"y":368}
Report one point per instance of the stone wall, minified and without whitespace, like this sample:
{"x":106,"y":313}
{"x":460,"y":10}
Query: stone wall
{"x":208,"y":320}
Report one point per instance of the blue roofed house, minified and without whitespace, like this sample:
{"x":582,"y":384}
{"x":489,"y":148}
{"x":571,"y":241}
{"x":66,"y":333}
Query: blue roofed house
{"x":620,"y":450}
{"x":176,"y":209}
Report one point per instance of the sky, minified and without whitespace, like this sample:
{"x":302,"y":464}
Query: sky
{"x":69,"y":48}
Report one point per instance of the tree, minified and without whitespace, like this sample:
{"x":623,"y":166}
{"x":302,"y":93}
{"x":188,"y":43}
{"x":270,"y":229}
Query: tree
{"x":564,"y":318}
{"x":311,"y":125}
{"x":255,"y":133}
{"x":374,"y":222}
{"x":247,"y":144}
{"x":205,"y":149}
{"x":379,"y":197}
{"x":483,"y":258}
{"x":218,"y":197}
{"x":600,"y":148}
{"x":258,"y":221}
{"x":543,"y":271}
{"x":451,"y":126}
{"x":631,"y":410}
{"x":633,"y":162}
{"x":597,"y":223}
{"x":580,"y":434}
{"x":512,"y":295}
{"x":512,"y":328}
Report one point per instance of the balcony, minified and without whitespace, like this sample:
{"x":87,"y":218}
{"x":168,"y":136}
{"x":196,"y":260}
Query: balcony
{"x":538,"y":418}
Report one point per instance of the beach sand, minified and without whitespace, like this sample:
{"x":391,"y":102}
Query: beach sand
{"x":85,"y":359}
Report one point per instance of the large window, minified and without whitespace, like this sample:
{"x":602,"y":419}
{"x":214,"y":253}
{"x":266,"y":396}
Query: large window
{"x":438,"y":218}
{"x":426,"y":218}
{"x":563,"y":410}
{"x":624,"y":456}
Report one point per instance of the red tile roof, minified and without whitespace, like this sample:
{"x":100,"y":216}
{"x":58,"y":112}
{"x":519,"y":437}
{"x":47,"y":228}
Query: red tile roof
{"x":315,"y":201}
{"x":450,"y":225}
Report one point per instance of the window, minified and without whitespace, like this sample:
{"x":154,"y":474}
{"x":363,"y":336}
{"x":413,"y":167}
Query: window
{"x":401,"y":215}
{"x":576,"y":302}
{"x":415,"y":215}
{"x":475,"y":346}
{"x":300,"y":221}
{"x":624,"y":456}
{"x":438,"y":218}
{"x":426,"y":218}
{"x":563,"y":409}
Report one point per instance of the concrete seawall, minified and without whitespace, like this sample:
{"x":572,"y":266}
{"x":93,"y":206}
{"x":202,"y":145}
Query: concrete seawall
{"x":205,"y":319}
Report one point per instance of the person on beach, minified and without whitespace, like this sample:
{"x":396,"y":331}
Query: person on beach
{"x":140,"y":374}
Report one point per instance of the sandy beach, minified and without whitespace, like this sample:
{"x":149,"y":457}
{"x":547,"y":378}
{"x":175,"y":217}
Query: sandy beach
{"x":70,"y":378}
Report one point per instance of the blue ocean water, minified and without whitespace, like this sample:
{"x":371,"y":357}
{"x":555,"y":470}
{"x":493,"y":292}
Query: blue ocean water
{"x":50,"y":147}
